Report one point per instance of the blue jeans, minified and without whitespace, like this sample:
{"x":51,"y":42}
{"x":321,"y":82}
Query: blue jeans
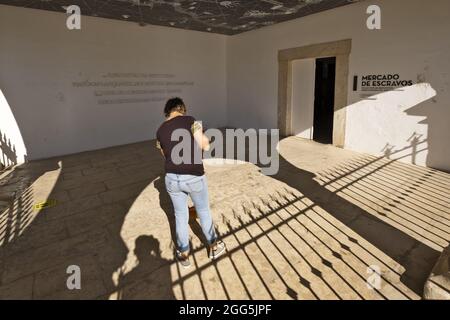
{"x":179,"y":187}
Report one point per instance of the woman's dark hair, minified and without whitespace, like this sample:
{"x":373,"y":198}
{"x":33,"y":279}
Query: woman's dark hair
{"x":174,"y":104}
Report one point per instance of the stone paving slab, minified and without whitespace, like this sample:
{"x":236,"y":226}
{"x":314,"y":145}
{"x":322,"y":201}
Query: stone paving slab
{"x":315,"y":230}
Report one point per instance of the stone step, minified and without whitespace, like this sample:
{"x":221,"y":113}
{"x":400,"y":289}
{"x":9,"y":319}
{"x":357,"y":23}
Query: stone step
{"x":437,"y":286}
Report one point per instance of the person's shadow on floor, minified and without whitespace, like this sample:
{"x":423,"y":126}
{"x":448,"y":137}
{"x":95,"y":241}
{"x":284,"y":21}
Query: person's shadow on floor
{"x":151,"y":278}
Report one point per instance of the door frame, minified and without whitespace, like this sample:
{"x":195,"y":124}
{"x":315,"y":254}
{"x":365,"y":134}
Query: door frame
{"x":339,"y":49}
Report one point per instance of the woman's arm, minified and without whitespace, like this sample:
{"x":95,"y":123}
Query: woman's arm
{"x":158,"y":146}
{"x":201,"y":139}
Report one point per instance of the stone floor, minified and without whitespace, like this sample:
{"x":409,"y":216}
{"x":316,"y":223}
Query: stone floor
{"x":320,"y":229}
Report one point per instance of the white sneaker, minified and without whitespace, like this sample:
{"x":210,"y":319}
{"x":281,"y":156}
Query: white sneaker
{"x":183,"y":260}
{"x":220,"y":248}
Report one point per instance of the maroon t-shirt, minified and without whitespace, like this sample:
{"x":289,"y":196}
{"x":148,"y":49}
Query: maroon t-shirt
{"x":164,"y":142}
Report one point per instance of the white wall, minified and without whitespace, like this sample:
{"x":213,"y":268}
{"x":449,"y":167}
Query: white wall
{"x":303,"y":80}
{"x":413,"y":41}
{"x":12,"y":147}
{"x":235,"y":78}
{"x":40,"y":59}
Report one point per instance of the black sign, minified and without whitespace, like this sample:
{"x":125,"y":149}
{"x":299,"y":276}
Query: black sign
{"x":380,"y":82}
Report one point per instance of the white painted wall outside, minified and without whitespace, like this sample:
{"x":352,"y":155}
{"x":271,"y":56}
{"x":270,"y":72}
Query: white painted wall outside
{"x":12,"y":148}
{"x":303,"y":80}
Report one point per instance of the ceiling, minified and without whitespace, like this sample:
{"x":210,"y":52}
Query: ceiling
{"x":217,"y":16}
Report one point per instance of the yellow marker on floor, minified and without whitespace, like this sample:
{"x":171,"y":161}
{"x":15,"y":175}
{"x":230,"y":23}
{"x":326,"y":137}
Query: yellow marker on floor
{"x":45,"y":204}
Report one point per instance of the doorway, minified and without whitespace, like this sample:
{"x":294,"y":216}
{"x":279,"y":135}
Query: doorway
{"x":341,"y":50}
{"x":324,"y":100}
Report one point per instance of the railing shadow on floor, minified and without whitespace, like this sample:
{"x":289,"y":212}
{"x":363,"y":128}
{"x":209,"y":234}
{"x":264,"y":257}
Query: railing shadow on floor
{"x":325,"y":229}
{"x":378,"y":200}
